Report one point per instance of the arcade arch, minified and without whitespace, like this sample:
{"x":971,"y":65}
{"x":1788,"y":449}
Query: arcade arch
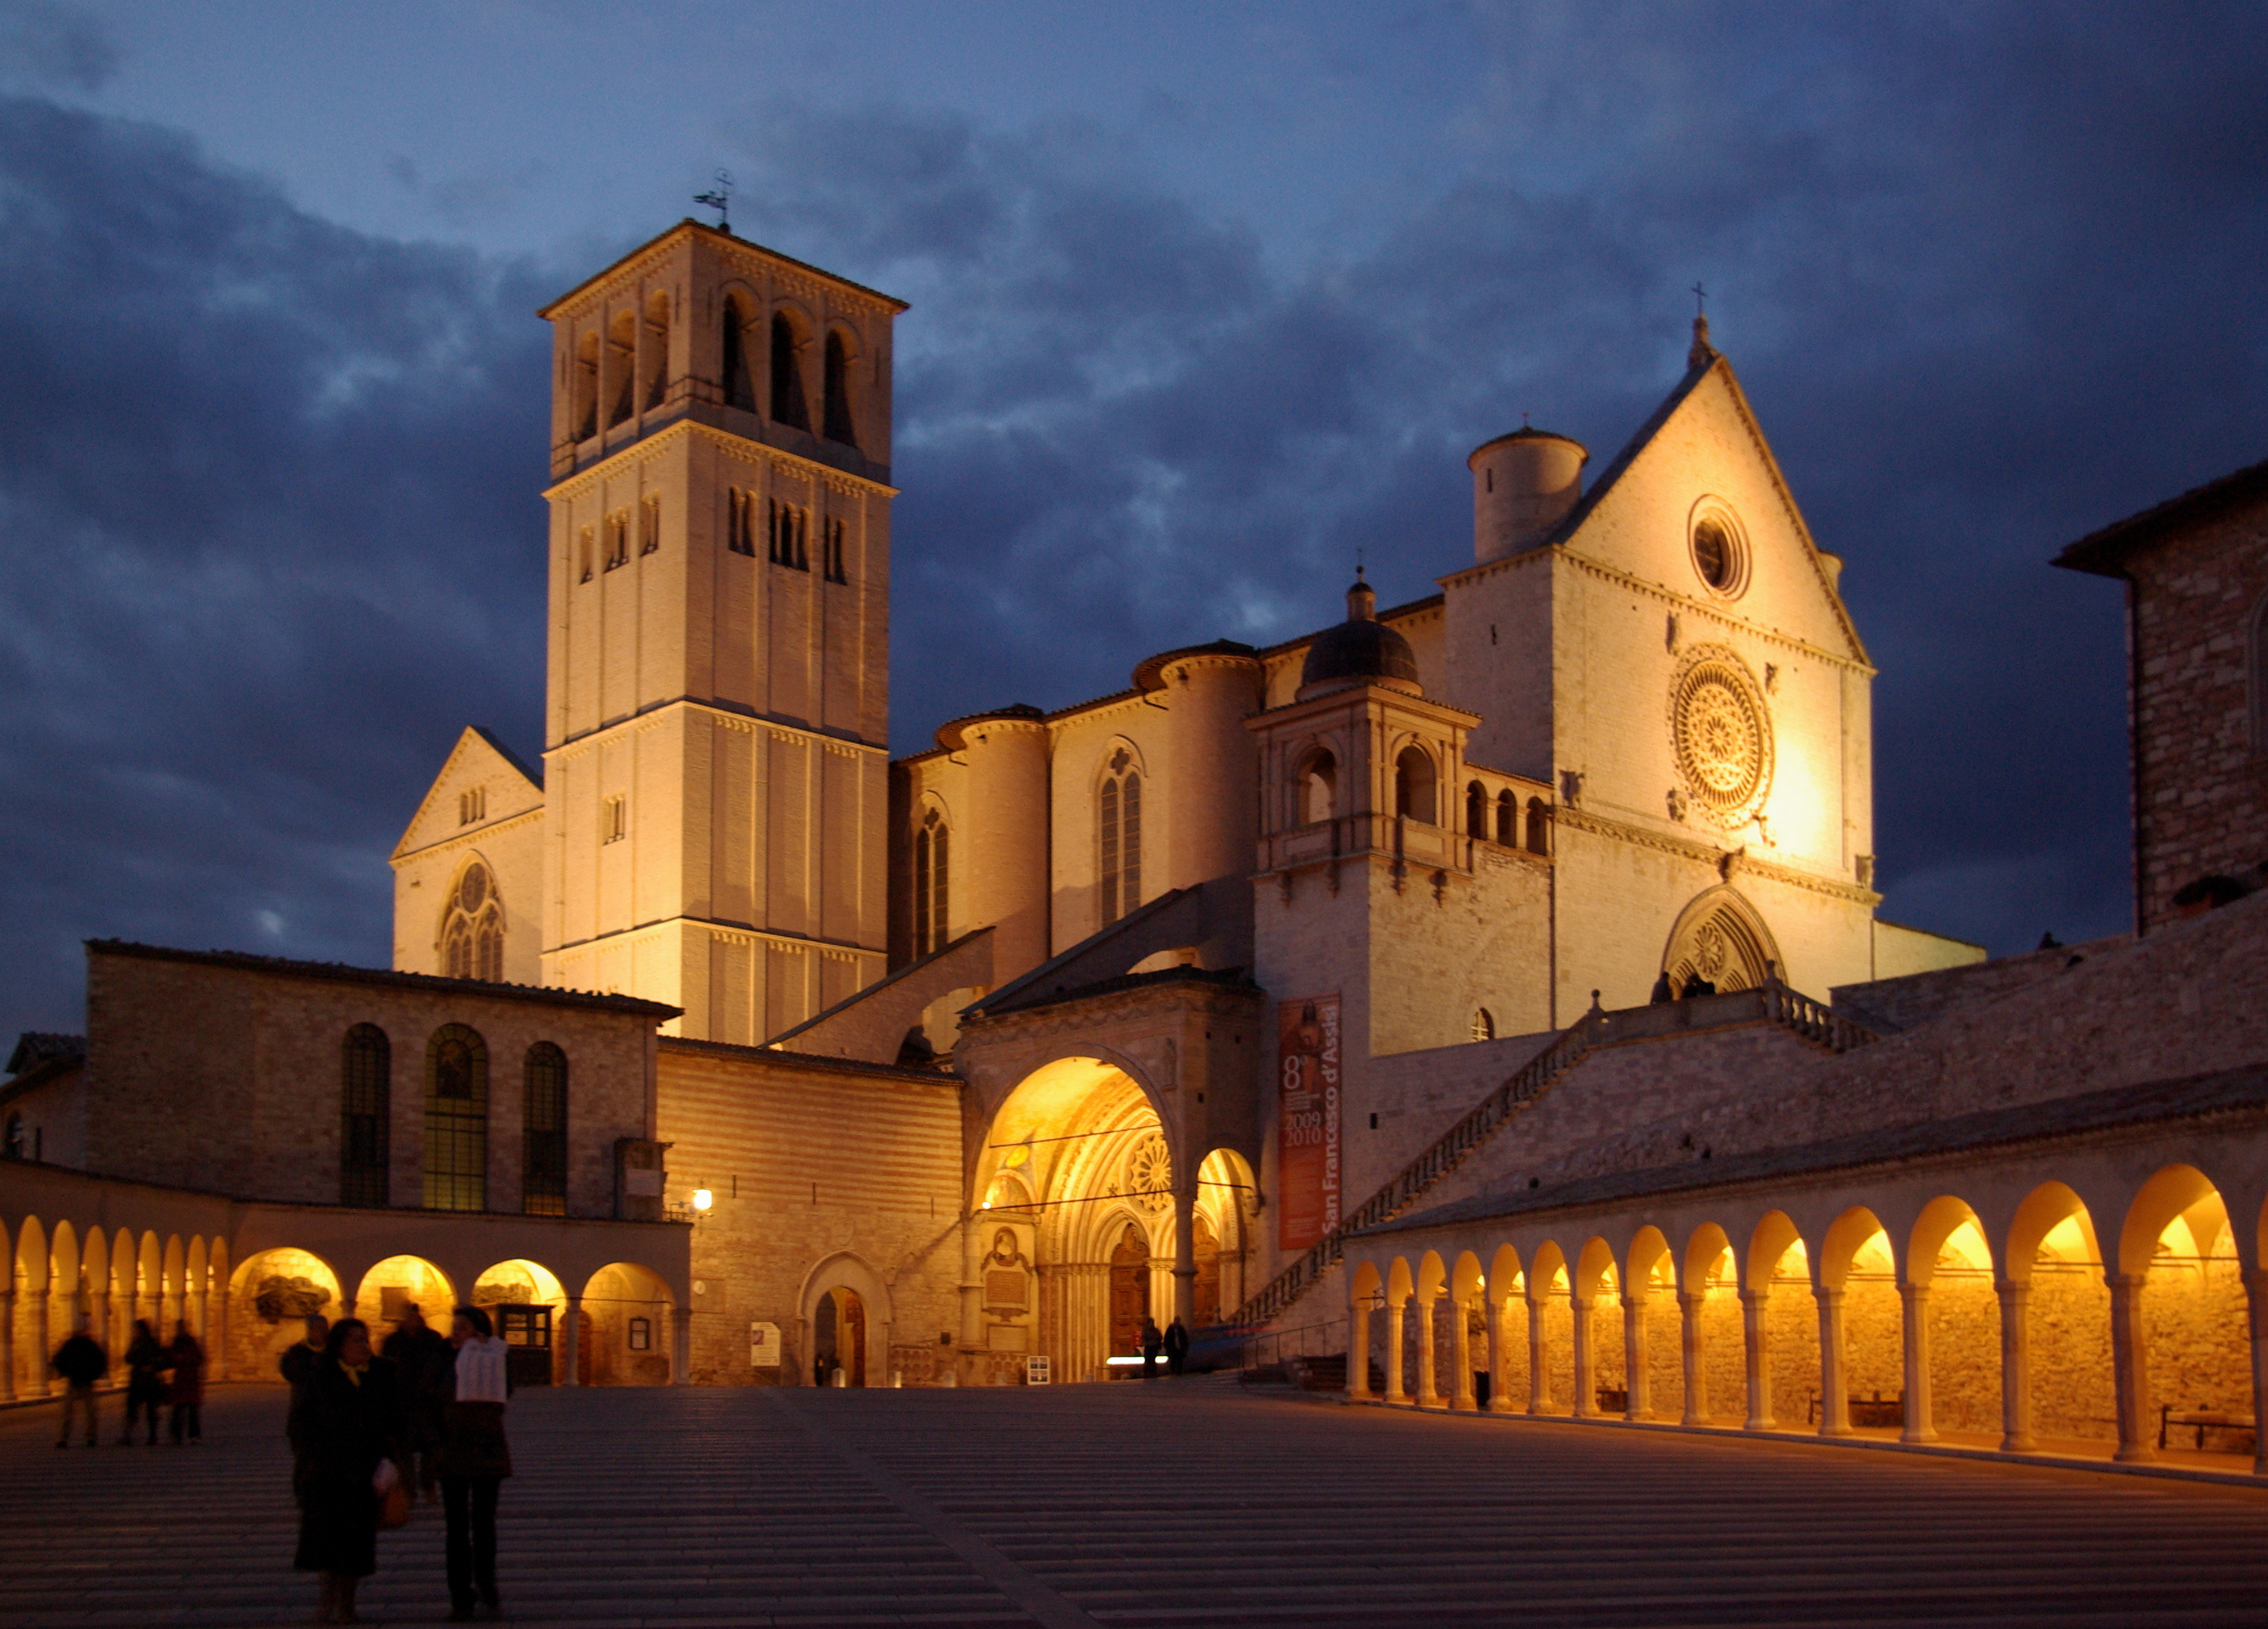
{"x":626,"y":1334}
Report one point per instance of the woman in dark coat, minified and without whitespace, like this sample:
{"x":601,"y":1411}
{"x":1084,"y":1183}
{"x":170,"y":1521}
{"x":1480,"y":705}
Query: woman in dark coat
{"x":475,"y":1459}
{"x":187,"y":1358}
{"x":353,"y":1420}
{"x":146,"y":1360}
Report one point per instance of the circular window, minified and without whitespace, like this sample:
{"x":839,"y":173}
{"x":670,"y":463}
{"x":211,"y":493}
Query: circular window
{"x":1721,"y":555}
{"x":474,"y":889}
{"x":1721,"y":735}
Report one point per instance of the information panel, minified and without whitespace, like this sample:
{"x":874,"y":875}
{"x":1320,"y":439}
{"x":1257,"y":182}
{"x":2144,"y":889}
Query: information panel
{"x":1306,"y":1121}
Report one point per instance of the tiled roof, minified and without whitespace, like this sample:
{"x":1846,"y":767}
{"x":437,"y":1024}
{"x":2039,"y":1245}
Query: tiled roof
{"x":427,"y":983}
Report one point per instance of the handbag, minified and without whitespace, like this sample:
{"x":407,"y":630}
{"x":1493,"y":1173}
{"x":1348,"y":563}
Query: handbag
{"x":394,"y":1506}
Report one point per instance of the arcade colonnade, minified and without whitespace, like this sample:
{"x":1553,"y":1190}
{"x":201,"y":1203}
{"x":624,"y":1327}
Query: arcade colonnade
{"x":2111,"y":1295}
{"x":606,"y":1302}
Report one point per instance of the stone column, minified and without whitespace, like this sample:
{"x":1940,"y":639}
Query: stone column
{"x":1587,"y":1392}
{"x":1921,"y":1424}
{"x":203,"y":1299}
{"x":2131,"y":1366}
{"x":217,"y":1346}
{"x":98,"y":1320}
{"x":972,"y":1282}
{"x":1757,"y":1340}
{"x":1834,"y":1388}
{"x":571,"y":1343}
{"x":680,"y":1347}
{"x":1636,"y":1359}
{"x":1539,"y":1372}
{"x":1498,"y":1344}
{"x":2256,"y":1300}
{"x":8,"y":1333}
{"x":35,"y":1337}
{"x":1429,"y":1388}
{"x":1358,"y":1385}
{"x":1460,"y":1354}
{"x":2015,"y":1367}
{"x":1697,"y":1374}
{"x":1185,"y":1258}
{"x":1394,"y":1312}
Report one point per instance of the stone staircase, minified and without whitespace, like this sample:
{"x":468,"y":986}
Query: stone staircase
{"x":1770,"y":1002}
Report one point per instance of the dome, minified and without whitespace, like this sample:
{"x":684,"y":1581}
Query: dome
{"x":1361,"y":651}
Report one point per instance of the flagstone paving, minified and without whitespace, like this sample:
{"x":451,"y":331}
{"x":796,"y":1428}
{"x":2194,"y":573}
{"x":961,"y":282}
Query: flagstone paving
{"x":1173,"y":1504}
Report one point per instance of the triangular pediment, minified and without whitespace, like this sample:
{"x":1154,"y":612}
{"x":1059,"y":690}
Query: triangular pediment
{"x":479,"y":766}
{"x":1703,"y":454}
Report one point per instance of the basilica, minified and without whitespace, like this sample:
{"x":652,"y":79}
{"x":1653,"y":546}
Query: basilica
{"x":1398,"y":997}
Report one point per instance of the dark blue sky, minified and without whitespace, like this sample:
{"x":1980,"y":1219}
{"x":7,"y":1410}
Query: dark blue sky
{"x":1205,"y":298}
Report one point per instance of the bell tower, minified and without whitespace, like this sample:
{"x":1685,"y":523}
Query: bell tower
{"x":717,"y":707}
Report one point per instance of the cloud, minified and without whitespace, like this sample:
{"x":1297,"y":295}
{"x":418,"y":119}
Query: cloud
{"x":47,"y":44}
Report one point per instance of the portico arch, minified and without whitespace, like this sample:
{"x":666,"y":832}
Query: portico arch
{"x":1550,"y":1332}
{"x":1720,"y":936}
{"x":1652,"y":1361}
{"x":1507,"y":1316}
{"x":1862,"y":1327}
{"x":2179,"y":1321}
{"x":859,"y":1302}
{"x":1716,"y":1360}
{"x":270,"y":1294}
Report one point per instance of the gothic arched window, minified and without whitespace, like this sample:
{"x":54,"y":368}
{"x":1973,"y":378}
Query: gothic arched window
{"x":1539,"y":826}
{"x":1413,"y":787}
{"x":787,"y":376}
{"x":739,"y":380}
{"x":1120,"y":826}
{"x":365,"y":1100}
{"x":456,"y":1120}
{"x":543,"y":1116}
{"x":471,"y":928}
{"x":836,"y":410}
{"x":1507,"y":819}
{"x":932,"y":871}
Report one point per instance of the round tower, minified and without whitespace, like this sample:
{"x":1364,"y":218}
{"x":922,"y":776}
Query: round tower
{"x":1007,"y":822}
{"x":1524,"y":484}
{"x":1208,"y":691}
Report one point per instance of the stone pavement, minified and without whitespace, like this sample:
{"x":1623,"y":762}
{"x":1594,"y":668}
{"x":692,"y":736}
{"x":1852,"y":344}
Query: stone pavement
{"x":1188,"y":1504}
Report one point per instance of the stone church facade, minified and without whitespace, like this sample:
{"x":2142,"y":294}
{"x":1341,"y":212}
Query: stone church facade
{"x":1175,"y":1002}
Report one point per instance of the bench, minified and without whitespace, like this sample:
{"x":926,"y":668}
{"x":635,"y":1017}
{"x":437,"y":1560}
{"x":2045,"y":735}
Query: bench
{"x":2201,"y":1420}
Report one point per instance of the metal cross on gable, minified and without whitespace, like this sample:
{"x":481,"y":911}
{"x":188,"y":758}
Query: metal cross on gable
{"x":1700,"y":300}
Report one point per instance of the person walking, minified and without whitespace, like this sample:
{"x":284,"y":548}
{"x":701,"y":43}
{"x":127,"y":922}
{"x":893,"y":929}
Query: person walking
{"x":1177,"y":1346}
{"x":1151,"y":1342}
{"x":420,"y":1356}
{"x":81,"y":1361}
{"x":186,"y":1391}
{"x":352,"y":1424}
{"x":474,"y":1384}
{"x":146,"y":1361}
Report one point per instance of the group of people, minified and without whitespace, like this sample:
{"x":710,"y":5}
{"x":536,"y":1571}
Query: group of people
{"x":1173,"y":1341}
{"x":157,"y":1373}
{"x":421,"y":1416}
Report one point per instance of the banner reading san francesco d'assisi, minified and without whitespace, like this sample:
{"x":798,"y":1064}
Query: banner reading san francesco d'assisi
{"x":1306,"y":1121}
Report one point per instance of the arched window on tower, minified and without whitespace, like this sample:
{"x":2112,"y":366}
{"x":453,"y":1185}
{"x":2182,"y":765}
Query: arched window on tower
{"x":365,"y":1100}
{"x":1539,"y":826}
{"x":1413,"y":787}
{"x":543,"y":1116}
{"x":1318,"y":788}
{"x":836,"y":396}
{"x":738,"y":378}
{"x":1477,"y":812}
{"x":1507,"y":819}
{"x":1119,"y":823}
{"x":456,"y":1120}
{"x":1484,"y":1025}
{"x":932,"y":871}
{"x":471,"y":928}
{"x":622,"y":367}
{"x":657,"y":350}
{"x":585,"y":401}
{"x":788,"y":407}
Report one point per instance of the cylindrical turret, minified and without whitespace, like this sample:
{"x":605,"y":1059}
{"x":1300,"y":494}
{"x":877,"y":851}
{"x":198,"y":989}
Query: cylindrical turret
{"x":1209,"y":693}
{"x":1524,"y":484}
{"x":1006,"y":844}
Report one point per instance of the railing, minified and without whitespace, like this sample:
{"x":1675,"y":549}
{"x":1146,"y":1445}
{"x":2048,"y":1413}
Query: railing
{"x":1770,"y":1002}
{"x":1259,"y":1348}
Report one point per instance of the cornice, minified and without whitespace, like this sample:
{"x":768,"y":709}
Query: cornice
{"x":1087,"y":1012}
{"x":746,"y":724}
{"x":1728,"y":863}
{"x":826,"y":474}
{"x":1713,"y":610}
{"x":727,"y":933}
{"x":466,"y":838}
{"x":782,"y":268}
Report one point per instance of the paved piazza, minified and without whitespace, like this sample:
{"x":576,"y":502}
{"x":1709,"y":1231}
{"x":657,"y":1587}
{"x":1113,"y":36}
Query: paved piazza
{"x":1186,"y":1504}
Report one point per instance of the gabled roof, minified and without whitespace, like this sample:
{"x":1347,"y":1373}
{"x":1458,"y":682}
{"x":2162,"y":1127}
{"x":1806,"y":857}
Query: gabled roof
{"x":473,"y":740}
{"x":421,"y":983}
{"x":34,"y":1047}
{"x":690,"y":228}
{"x":2106,"y":553}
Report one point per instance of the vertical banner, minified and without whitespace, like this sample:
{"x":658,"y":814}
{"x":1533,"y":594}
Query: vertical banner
{"x":1306,"y":1121}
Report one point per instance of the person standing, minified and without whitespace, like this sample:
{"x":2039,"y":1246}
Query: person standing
{"x":298,"y":1367}
{"x":352,"y":1423}
{"x":476,"y":1382}
{"x":1177,"y":1346}
{"x":186,"y":1392}
{"x":81,"y":1361}
{"x":1151,"y":1342}
{"x":146,"y":1360}
{"x":419,"y":1355}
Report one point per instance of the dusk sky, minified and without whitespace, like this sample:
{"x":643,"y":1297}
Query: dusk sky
{"x":1205,"y":298}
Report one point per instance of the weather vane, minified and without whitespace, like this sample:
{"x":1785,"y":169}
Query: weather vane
{"x":720,"y":198}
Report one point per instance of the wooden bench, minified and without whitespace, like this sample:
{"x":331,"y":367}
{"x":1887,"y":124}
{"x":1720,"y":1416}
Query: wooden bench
{"x":2201,"y":1420}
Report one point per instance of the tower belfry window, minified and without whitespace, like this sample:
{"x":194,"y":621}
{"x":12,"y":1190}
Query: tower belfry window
{"x":585,"y":403}
{"x":738,"y":382}
{"x":836,"y":409}
{"x":788,"y":407}
{"x":656,"y":350}
{"x":622,"y":367}
{"x":932,"y":869}
{"x":1119,"y":823}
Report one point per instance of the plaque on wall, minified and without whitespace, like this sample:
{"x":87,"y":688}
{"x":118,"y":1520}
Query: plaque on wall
{"x":764,"y":1345}
{"x":1007,"y":1338}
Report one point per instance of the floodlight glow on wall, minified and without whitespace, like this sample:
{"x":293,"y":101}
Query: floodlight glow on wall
{"x":703,"y":1198}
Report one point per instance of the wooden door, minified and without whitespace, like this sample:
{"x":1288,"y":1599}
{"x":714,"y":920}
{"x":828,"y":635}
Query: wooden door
{"x":1206,"y":1293}
{"x":1129,"y":1292}
{"x":851,"y":1337}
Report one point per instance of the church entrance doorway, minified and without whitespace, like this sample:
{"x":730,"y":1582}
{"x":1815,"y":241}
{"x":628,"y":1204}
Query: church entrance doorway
{"x":838,"y":1339}
{"x":1129,"y":1291}
{"x":1206,"y":1293}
